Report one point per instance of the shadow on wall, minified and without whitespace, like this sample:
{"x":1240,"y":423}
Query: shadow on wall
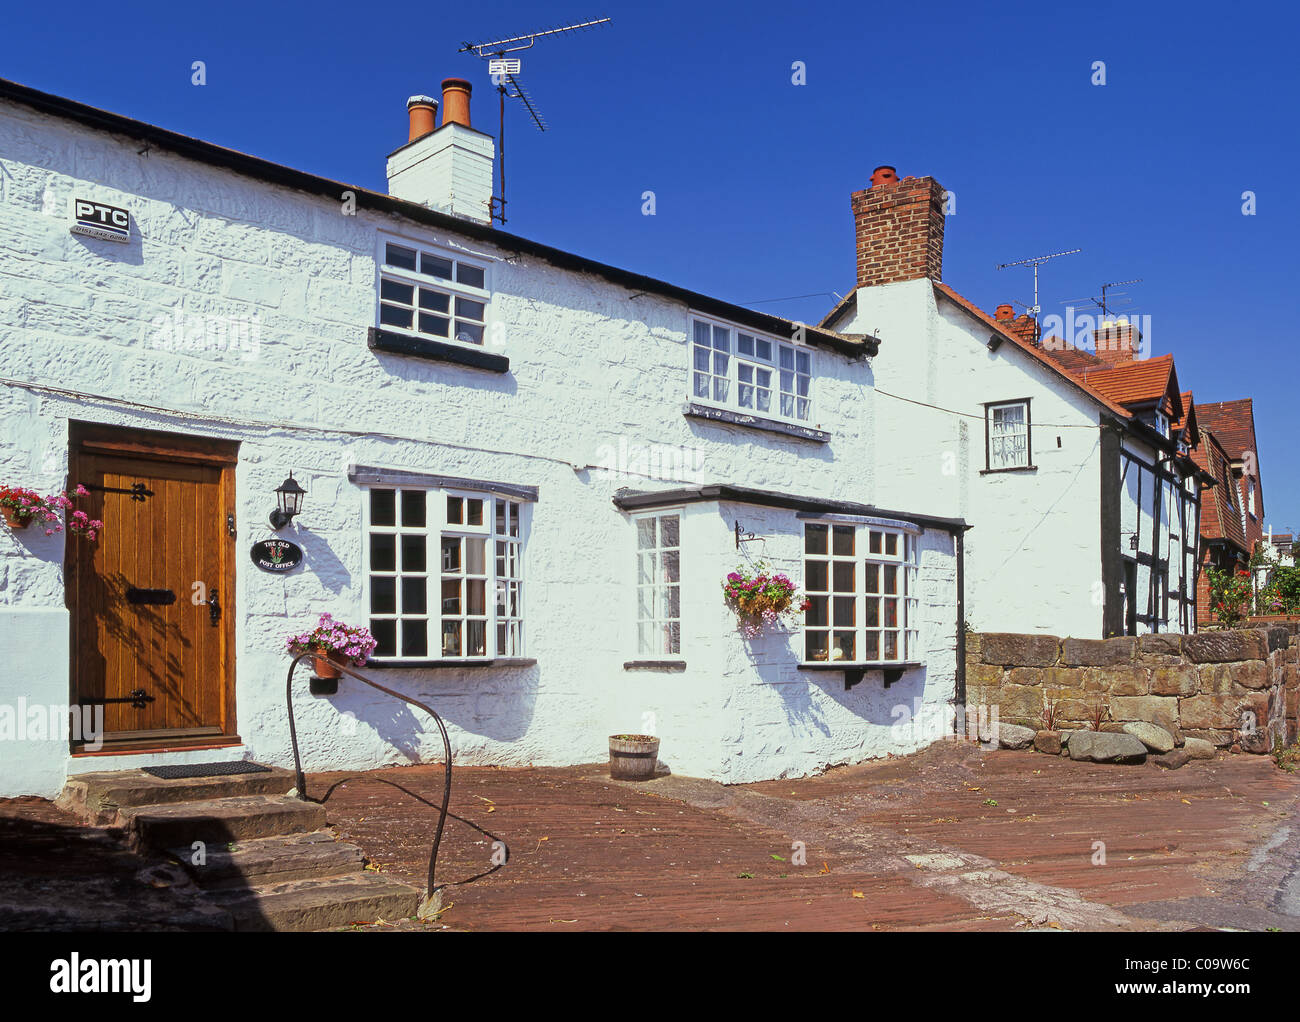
{"x":868,"y":700}
{"x":320,"y":559}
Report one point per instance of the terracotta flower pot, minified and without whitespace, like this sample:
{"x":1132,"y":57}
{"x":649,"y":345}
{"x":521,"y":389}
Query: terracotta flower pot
{"x":13,"y":519}
{"x":633,"y":757}
{"x":325,"y":667}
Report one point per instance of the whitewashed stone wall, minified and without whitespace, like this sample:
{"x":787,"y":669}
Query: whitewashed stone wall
{"x":594,"y":370}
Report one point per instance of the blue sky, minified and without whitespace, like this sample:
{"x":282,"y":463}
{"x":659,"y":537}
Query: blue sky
{"x":752,"y":174}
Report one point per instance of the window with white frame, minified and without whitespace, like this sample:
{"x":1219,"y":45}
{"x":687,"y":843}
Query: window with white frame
{"x":739,"y":369}
{"x":1006,"y":426}
{"x":1250,"y":496}
{"x":444,"y":574}
{"x":861,"y":585}
{"x":431,"y":292}
{"x":658,"y":585}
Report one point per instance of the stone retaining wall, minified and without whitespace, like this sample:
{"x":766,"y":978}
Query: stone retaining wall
{"x":1239,"y":689}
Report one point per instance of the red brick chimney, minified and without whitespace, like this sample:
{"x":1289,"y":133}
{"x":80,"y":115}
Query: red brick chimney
{"x":1025,"y":327}
{"x":1117,"y":342}
{"x":899,"y":226}
{"x":1005,"y":314}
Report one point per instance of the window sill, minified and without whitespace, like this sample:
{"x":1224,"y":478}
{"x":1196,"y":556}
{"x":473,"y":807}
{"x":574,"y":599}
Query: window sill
{"x":654,"y":665}
{"x":395,"y":343}
{"x":891,"y":670}
{"x":458,"y":664}
{"x":1000,"y":471}
{"x":711,"y":413}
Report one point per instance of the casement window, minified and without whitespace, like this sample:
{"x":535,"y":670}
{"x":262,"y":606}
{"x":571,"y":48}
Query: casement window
{"x":1162,"y":424}
{"x":444,"y":574}
{"x":861,"y":585}
{"x":658,"y":585}
{"x":739,"y":369}
{"x":1250,"y":496}
{"x":432,"y":293}
{"x":1007,"y":436}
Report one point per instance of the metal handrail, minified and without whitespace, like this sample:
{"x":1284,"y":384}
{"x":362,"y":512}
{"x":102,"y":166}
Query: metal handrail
{"x":446,"y":745}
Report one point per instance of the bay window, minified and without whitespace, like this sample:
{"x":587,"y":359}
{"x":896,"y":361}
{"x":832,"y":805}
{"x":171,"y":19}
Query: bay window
{"x":658,"y":585}
{"x":861,"y":583}
{"x":444,"y":576}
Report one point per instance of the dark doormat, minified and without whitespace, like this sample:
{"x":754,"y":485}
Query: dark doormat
{"x":174,"y":772}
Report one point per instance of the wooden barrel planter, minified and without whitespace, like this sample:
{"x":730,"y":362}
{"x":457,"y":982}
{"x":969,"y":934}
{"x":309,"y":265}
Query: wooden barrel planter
{"x":633,"y":757}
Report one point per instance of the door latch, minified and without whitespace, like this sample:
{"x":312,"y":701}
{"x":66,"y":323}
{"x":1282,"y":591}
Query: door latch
{"x":230,"y":526}
{"x":214,"y":606}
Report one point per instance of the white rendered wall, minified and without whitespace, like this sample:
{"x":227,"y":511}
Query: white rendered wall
{"x":597,"y":381}
{"x":1033,"y":561}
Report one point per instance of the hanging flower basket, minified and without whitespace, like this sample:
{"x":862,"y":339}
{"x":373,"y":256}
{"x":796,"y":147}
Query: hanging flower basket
{"x":332,"y":643}
{"x":761,"y":598}
{"x":21,"y":506}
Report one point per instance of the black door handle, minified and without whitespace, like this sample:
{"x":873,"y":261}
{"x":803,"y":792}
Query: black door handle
{"x":214,"y":607}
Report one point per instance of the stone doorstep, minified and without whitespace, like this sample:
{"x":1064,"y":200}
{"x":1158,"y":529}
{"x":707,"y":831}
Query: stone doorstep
{"x":219,"y":821}
{"x":314,"y":855}
{"x":320,"y":904}
{"x":96,"y":798}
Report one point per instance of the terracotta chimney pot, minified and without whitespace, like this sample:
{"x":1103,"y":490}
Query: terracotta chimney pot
{"x":423,"y":111}
{"x":1005,"y":312}
{"x":884,"y":175}
{"x":455,"y":101}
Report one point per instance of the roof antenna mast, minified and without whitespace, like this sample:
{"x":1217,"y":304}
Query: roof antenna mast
{"x":1106,"y":302}
{"x":1036,"y":262}
{"x":504,"y":70}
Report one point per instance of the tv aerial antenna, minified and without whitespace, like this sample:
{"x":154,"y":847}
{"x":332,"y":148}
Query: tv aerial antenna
{"x":1036,"y":262}
{"x":1107,"y":302}
{"x":504,"y":72}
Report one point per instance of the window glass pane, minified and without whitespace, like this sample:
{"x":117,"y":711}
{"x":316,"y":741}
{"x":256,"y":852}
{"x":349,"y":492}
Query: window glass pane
{"x":435,"y":325}
{"x":815,"y":644}
{"x":451,"y":596}
{"x":816,"y":613}
{"x":891,"y":578}
{"x":475,"y":596}
{"x":645,"y":568}
{"x":393,"y":291}
{"x":891,"y":646}
{"x":787,"y":361}
{"x":471,"y":275}
{"x":814,"y":539}
{"x":702,"y":333}
{"x":383,"y":595}
{"x":451,"y":638}
{"x":456,"y":510}
{"x":413,"y":508}
{"x":669,"y":529}
{"x":434,"y":266}
{"x":396,"y":255}
{"x":872,"y":584}
{"x":816,"y":576}
{"x":475,"y":638}
{"x":469,"y":309}
{"x":469,"y":333}
{"x":721,"y":339}
{"x":763,"y":349}
{"x":844,"y":539}
{"x":501,"y":520}
{"x":719,"y":389}
{"x":415,"y":638}
{"x":871,"y":611}
{"x":870,"y":645}
{"x":385,"y":633}
{"x":474,"y":556}
{"x":382,"y":504}
{"x":671,"y":564}
{"x":383,"y":552}
{"x":645,"y":533}
{"x":451,"y":554}
{"x":802,"y":362}
{"x":845,"y":611}
{"x":744,"y":344}
{"x":435,"y":301}
{"x":873,"y":544}
{"x":415,"y":596}
{"x":391,"y":315}
{"x":843,"y":572}
{"x":474,"y":512}
{"x":413,"y":553}
{"x":845,"y":646}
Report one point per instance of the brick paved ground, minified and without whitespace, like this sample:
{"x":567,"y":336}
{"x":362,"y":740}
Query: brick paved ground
{"x":911,"y":843}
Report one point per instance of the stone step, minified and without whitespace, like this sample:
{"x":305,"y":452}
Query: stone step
{"x":220,"y":821}
{"x":323,"y":904}
{"x":277,"y":859}
{"x":98,"y":797}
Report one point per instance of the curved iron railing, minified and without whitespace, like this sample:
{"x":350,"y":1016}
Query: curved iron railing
{"x":446,"y":746}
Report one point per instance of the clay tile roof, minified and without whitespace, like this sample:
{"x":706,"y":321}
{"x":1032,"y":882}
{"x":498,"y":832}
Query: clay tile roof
{"x":1030,"y":349}
{"x":1220,"y":515}
{"x":1233,"y":423}
{"x":1074,"y":360}
{"x":1140,"y":382}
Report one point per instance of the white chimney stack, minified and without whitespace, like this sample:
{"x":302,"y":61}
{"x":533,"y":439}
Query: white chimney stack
{"x":448,"y":168}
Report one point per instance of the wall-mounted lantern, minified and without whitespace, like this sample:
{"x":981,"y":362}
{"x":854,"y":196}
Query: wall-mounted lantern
{"x":288,"y":500}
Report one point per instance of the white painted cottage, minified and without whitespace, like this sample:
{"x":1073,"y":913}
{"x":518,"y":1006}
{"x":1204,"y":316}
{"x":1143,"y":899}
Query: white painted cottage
{"x":1070,"y":455}
{"x":528,"y":473}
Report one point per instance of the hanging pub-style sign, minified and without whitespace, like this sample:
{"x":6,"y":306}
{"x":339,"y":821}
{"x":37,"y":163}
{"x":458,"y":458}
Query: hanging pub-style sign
{"x":276,"y":555}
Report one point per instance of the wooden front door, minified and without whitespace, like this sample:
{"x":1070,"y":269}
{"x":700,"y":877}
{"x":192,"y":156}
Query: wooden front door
{"x":152,"y":599}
